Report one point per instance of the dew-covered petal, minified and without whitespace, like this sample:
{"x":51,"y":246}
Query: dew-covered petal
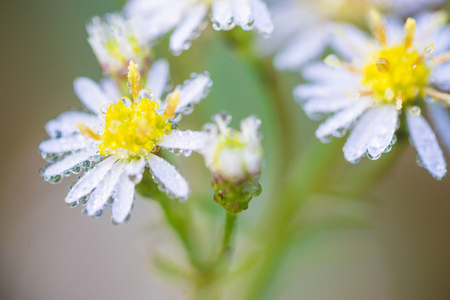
{"x":158,"y":76}
{"x":123,"y":199}
{"x":64,"y":144}
{"x":111,"y":90}
{"x":262,"y":18}
{"x":441,"y":120}
{"x":90,"y":93}
{"x":104,"y":188}
{"x":342,"y":119}
{"x":328,"y":104}
{"x":184,"y":140}
{"x":428,"y":28}
{"x":90,"y":180}
{"x":351,"y":42}
{"x":308,"y":45}
{"x":426,"y":145}
{"x":66,"y":123}
{"x":222,"y":15}
{"x":193,"y":90}
{"x":383,"y":130}
{"x":168,"y":176}
{"x":372,"y":133}
{"x":68,"y":162}
{"x":188,"y":28}
{"x":242,"y":13}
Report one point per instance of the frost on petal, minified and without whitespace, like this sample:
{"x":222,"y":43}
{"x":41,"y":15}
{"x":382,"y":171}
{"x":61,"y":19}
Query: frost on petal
{"x":66,"y":123}
{"x":68,"y":162}
{"x":350,"y":42}
{"x":441,"y":120}
{"x":188,"y":28}
{"x":158,"y":76}
{"x":64,"y":144}
{"x":90,"y":180}
{"x":123,"y":200}
{"x":372,"y":133}
{"x":327,"y":104}
{"x":308,"y":45}
{"x":424,"y":139}
{"x":168,"y":176}
{"x":184,"y":140}
{"x":341,"y":120}
{"x":262,"y":18}
{"x":103,"y":191}
{"x":222,"y":15}
{"x":90,"y":93}
{"x":110,"y":89}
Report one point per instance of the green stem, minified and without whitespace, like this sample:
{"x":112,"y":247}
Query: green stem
{"x":226,"y":247}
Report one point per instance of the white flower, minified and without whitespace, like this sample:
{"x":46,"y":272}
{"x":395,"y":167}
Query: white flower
{"x":388,"y":75}
{"x":124,"y":137}
{"x":233,"y":156}
{"x":303,"y":29}
{"x":116,"y":41}
{"x":187,"y":18}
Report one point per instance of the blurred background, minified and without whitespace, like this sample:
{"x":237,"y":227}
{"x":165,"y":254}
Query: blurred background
{"x":48,"y":251}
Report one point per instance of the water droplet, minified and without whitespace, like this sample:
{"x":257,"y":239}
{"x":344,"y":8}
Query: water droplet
{"x":257,"y":189}
{"x":126,"y":101}
{"x":72,"y":205}
{"x":415,"y":110}
{"x":373,"y":157}
{"x":145,"y":94}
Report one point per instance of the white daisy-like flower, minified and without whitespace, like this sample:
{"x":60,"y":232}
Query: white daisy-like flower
{"x":389,"y":78}
{"x":235,"y":159}
{"x":303,"y":29}
{"x":116,"y":41}
{"x":187,"y":18}
{"x":233,"y":155}
{"x":124,"y":136}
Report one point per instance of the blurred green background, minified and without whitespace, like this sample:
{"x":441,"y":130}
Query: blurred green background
{"x":48,"y":251}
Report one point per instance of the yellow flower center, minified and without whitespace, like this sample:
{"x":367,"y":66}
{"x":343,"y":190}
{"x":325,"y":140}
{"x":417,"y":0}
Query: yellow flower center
{"x":132,"y":130}
{"x":396,"y":72}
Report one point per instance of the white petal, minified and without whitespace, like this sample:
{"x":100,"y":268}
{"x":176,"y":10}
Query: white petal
{"x":351,"y":42}
{"x":372,"y":133}
{"x":123,"y":199}
{"x":328,"y":104}
{"x":66,"y":123}
{"x":90,"y":93}
{"x":193,"y":90}
{"x":184,"y":140}
{"x":321,"y":72}
{"x":441,"y":76}
{"x":342,"y":119}
{"x":441,"y":120}
{"x":222,"y":15}
{"x":383,"y":131}
{"x":307,"y":91}
{"x":68,"y":162}
{"x":242,"y":13}
{"x":427,"y":145}
{"x":308,"y":45}
{"x":158,"y":76}
{"x":64,"y":144}
{"x":188,"y":28}
{"x":166,"y":174}
{"x":262,"y":18}
{"x":395,"y":30}
{"x":110,"y":89}
{"x":90,"y":180}
{"x":135,"y":168}
{"x":99,"y":197}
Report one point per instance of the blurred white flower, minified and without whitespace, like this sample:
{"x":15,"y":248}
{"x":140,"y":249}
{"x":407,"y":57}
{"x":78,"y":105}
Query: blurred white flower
{"x":231,"y":155}
{"x":387,"y":75}
{"x":116,"y":41}
{"x":187,"y":18}
{"x":124,"y":136}
{"x":303,"y":29}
